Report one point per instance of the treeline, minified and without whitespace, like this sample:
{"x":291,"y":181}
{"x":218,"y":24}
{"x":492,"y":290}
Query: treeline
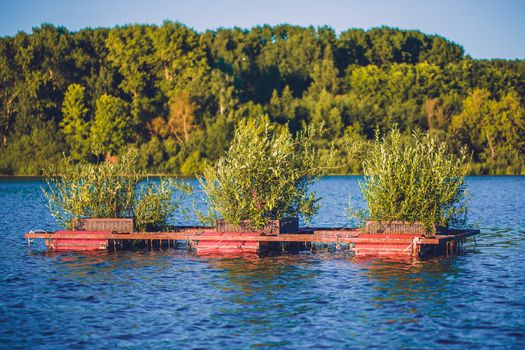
{"x":176,"y":94}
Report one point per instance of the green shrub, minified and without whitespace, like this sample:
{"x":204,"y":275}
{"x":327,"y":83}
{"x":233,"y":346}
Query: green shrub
{"x":194,"y":164}
{"x":264,"y":175}
{"x":154,"y":203}
{"x":109,"y":190}
{"x":414,"y":180}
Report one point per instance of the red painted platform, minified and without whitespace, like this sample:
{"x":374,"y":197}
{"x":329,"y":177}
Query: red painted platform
{"x":208,"y":241}
{"x":217,"y":243}
{"x":87,"y":240}
{"x":387,"y":244}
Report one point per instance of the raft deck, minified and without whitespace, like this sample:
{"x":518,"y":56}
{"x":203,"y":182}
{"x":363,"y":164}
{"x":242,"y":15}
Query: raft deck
{"x":208,"y":241}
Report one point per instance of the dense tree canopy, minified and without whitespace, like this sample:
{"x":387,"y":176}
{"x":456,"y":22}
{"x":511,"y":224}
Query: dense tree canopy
{"x":176,"y":94}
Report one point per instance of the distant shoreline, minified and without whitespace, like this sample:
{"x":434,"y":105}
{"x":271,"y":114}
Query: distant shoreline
{"x":177,"y":95}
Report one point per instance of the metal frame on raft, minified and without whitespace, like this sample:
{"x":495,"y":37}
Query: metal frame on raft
{"x":208,"y":241}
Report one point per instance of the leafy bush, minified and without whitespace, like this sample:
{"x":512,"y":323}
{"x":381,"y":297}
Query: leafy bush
{"x":414,"y":180}
{"x":154,"y":203}
{"x":108,"y":190}
{"x":264,"y":175}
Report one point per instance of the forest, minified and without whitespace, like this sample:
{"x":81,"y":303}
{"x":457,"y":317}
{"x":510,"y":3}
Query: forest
{"x":176,"y":95}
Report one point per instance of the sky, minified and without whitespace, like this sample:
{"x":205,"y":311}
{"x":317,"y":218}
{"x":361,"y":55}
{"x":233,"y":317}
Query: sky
{"x":485,"y":28}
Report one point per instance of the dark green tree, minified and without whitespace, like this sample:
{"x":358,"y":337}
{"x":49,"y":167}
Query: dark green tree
{"x":112,"y":126}
{"x":74,"y":124}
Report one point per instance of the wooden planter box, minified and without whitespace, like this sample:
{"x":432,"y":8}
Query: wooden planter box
{"x":250,"y":244}
{"x":274,"y":227}
{"x":91,"y":231}
{"x":400,"y":227}
{"x":124,"y":225}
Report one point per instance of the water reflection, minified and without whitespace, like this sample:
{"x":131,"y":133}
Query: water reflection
{"x":251,"y":274}
{"x":91,"y":266}
{"x":402,"y":281}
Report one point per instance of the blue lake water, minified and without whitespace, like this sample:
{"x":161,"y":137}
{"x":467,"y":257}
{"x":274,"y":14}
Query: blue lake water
{"x":174,"y":299}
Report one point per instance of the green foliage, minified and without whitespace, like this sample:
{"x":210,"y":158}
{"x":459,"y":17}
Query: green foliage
{"x":414,"y":180}
{"x":103,"y":190}
{"x":325,"y":75}
{"x":193,"y":164}
{"x":495,"y":128}
{"x":264,"y":175}
{"x":112,"y":126}
{"x":181,"y":57}
{"x":108,"y":190}
{"x":177,"y":94}
{"x":74,"y":125}
{"x":130,"y":51}
{"x":154,"y":202}
{"x":31,"y":154}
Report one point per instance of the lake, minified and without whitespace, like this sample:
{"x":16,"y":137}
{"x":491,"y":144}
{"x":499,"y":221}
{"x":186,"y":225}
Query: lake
{"x":174,"y":299}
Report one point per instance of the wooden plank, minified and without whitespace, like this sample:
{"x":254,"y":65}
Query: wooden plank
{"x":445,"y":238}
{"x":233,"y":237}
{"x":75,"y":244}
{"x":389,"y":250}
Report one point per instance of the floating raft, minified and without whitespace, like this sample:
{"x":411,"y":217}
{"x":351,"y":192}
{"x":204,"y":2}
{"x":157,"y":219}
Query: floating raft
{"x":209,"y":242}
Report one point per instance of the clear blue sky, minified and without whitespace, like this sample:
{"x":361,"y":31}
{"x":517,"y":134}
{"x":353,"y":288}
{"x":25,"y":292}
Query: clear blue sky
{"x":485,"y":28}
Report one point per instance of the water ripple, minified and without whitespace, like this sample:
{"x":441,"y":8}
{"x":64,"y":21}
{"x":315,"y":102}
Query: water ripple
{"x":173,"y":299}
